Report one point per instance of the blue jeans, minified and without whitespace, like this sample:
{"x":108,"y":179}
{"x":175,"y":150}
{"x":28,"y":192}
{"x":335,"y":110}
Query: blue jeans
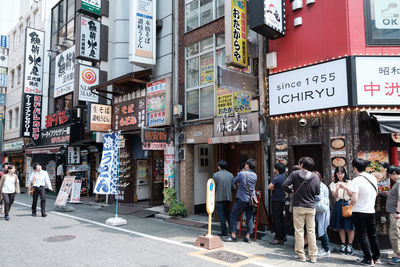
{"x":222,"y":208}
{"x":325,"y":241}
{"x":237,"y":209}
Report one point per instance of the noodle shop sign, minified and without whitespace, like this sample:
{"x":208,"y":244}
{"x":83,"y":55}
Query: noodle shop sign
{"x":88,"y":76}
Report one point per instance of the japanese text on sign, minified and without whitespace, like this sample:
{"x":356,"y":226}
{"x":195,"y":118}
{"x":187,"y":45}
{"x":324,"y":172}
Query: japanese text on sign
{"x":232,"y":125}
{"x":64,"y":73}
{"x":100,"y":117}
{"x":144,"y":28}
{"x":239,"y":33}
{"x":32,"y":114}
{"x":34,"y":46}
{"x":57,"y":119}
{"x":89,"y":38}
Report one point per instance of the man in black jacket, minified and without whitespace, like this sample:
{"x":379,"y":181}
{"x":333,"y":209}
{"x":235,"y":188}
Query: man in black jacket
{"x":306,"y":185}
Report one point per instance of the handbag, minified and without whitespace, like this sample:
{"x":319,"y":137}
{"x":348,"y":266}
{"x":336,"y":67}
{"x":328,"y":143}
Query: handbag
{"x":347,"y":211}
{"x":293,"y":195}
{"x":253,"y":199}
{"x":322,"y":205}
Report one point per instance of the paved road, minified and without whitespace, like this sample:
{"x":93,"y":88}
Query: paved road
{"x":142,"y":242}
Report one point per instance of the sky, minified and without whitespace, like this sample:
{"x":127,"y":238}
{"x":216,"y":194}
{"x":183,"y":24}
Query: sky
{"x":10,"y":12}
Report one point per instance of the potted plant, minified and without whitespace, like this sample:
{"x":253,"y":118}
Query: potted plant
{"x":177,"y":209}
{"x":169,"y":197}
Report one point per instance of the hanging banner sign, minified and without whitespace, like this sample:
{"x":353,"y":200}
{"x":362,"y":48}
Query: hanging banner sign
{"x":33,"y":73}
{"x":268,"y":18}
{"x":88,"y":39}
{"x":3,"y":80}
{"x":236,"y":33}
{"x":169,"y":164}
{"x":99,"y":117}
{"x":158,"y":106}
{"x":88,"y":76}
{"x":65,"y":189}
{"x":107,"y":180}
{"x":74,"y":155}
{"x":31,"y":116}
{"x":143,"y":32}
{"x":64,"y":72}
{"x":3,"y":41}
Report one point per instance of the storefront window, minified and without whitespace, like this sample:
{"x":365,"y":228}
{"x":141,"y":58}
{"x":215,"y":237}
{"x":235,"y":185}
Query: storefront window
{"x":382,"y":22}
{"x":200,"y":76}
{"x":200,"y":12}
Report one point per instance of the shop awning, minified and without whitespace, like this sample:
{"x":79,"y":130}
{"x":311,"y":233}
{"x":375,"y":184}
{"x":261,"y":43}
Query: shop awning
{"x":389,"y":121}
{"x":125,"y":83}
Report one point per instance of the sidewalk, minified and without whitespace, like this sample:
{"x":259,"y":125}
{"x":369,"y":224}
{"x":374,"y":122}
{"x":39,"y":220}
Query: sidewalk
{"x":279,"y":255}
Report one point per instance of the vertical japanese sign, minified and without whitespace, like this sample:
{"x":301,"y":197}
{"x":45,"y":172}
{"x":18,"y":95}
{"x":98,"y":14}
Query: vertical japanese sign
{"x":88,"y":76}
{"x":92,"y":6}
{"x":236,"y":33}
{"x":99,"y":117}
{"x":206,"y":69}
{"x":88,"y":47}
{"x":378,"y":80}
{"x":3,"y":41}
{"x":143,"y":32}
{"x":158,"y":103}
{"x":64,"y":73}
{"x":33,"y":74}
{"x":169,"y":166}
{"x":31,"y":116}
{"x":108,"y":171}
{"x":3,"y":80}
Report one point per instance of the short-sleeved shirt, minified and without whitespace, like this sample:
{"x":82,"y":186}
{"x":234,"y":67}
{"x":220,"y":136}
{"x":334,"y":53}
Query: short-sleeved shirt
{"x":342,"y":194}
{"x":243,"y":187}
{"x":278,"y":194}
{"x":366,"y":193}
{"x":393,"y":197}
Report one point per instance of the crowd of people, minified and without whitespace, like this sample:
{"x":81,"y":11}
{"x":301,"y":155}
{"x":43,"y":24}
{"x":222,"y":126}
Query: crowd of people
{"x":9,"y":186}
{"x":352,"y":214}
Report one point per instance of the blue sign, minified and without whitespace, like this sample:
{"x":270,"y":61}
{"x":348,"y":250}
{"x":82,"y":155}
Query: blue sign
{"x":3,"y":80}
{"x":2,"y":99}
{"x":3,"y":41}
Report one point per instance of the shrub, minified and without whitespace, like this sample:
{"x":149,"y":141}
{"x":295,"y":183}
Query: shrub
{"x":169,"y":195}
{"x":177,"y":209}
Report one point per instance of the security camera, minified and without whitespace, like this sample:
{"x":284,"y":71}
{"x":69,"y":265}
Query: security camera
{"x":303,"y":122}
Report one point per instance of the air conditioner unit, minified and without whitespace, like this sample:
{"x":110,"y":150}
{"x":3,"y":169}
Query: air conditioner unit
{"x":271,"y":60}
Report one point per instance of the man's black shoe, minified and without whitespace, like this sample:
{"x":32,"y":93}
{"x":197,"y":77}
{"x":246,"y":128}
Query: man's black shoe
{"x":276,"y":242}
{"x":222,"y":234}
{"x":247,"y":240}
{"x":44,"y":215}
{"x":34,"y":215}
{"x":230,"y":239}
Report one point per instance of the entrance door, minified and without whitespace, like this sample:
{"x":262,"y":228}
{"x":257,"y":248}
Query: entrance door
{"x":312,"y":151}
{"x":203,"y":166}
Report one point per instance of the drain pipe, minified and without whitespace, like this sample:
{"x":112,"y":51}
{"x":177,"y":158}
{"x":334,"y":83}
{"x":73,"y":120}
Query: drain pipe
{"x":175,"y":71}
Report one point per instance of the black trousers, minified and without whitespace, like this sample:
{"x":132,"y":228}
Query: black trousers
{"x":364,"y":224}
{"x":223,"y":210}
{"x":277,"y":219}
{"x":59,"y":181}
{"x":8,"y":201}
{"x":41,"y":190}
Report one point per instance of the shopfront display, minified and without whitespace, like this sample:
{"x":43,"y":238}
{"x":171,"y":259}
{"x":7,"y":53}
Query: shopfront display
{"x":125,"y":187}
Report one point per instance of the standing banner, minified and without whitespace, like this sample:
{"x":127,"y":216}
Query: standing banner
{"x":33,"y":73}
{"x":65,"y":189}
{"x":107,"y":180}
{"x":76,"y":192}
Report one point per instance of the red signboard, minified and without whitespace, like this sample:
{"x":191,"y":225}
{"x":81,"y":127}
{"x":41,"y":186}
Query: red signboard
{"x":57,"y":119}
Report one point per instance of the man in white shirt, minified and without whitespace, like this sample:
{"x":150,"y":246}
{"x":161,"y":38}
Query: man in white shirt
{"x":363,"y":193}
{"x":39,"y":179}
{"x":59,"y":177}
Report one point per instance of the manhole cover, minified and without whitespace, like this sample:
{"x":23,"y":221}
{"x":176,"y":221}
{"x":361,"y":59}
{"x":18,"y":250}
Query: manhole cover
{"x":226,"y":256}
{"x":59,"y":238}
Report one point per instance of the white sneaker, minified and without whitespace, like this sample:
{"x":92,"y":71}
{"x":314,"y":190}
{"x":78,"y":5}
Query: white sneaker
{"x":324,"y":253}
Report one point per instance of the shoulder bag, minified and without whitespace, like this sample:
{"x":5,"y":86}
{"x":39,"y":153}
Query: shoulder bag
{"x":292,"y":198}
{"x":31,"y":189}
{"x":376,"y":190}
{"x":347,"y":211}
{"x":253,"y":199}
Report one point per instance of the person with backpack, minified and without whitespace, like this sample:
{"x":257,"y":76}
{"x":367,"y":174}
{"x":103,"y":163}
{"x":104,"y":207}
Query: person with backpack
{"x":322,"y":216}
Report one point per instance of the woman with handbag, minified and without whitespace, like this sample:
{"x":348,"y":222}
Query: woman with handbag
{"x":9,"y":186}
{"x":339,"y":221}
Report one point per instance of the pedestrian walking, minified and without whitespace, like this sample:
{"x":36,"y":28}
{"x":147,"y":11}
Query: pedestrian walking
{"x":363,"y":193}
{"x":2,"y":172}
{"x":322,"y":217}
{"x":39,"y":179}
{"x":59,"y":177}
{"x":338,"y":222}
{"x":278,"y":204}
{"x":223,"y":195}
{"x":393,"y":208}
{"x":9,"y":186}
{"x":246,"y":180}
{"x":306,"y":186}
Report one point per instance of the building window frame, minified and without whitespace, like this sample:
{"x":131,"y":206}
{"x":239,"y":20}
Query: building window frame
{"x":199,"y":13}
{"x":372,"y":33}
{"x":199,"y":86}
{"x":9,"y":124}
{"x":16,"y":121}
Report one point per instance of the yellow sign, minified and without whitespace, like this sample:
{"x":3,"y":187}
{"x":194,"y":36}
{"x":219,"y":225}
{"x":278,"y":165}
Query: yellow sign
{"x":239,"y":33}
{"x":230,"y":102}
{"x":206,"y":69}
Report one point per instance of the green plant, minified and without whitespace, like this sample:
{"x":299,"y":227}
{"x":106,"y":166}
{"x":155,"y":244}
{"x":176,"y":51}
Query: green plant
{"x":177,"y":209}
{"x":169,"y":195}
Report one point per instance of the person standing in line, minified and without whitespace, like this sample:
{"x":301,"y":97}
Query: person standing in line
{"x":247,"y":180}
{"x":223,"y":194}
{"x":59,"y":177}
{"x":322,"y":217}
{"x":278,"y":204}
{"x":2,"y":172}
{"x":9,"y":186}
{"x":39,"y":179}
{"x":306,"y":186}
{"x":363,"y":193}
{"x":338,"y":222}
{"x":393,"y":208}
